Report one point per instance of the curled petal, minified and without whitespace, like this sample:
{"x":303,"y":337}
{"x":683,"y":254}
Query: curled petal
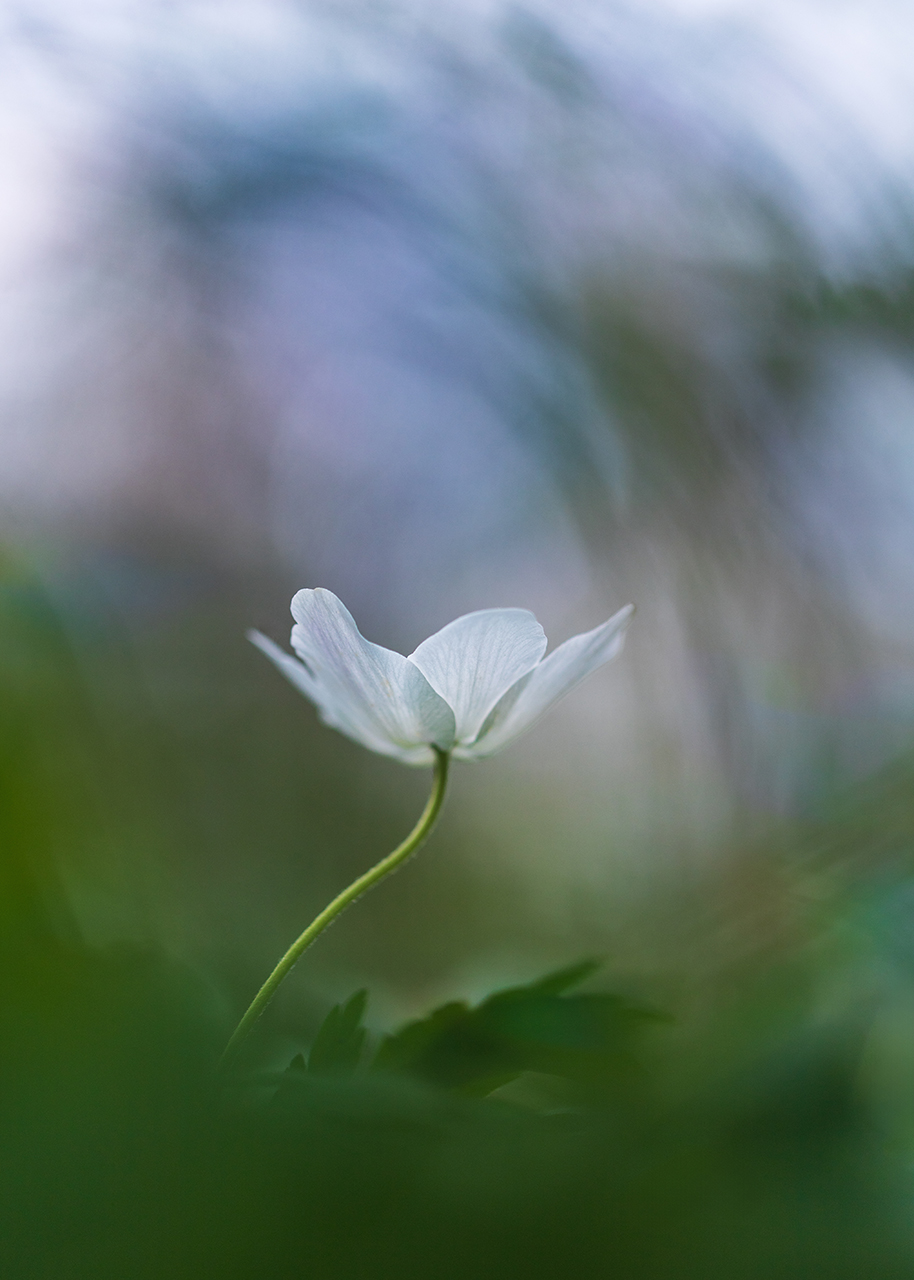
{"x":476,"y":659}
{"x":555,"y":676}
{"x":373,"y":694}
{"x":303,"y":680}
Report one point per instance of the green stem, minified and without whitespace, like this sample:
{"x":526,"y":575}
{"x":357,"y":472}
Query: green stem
{"x":416,"y":837}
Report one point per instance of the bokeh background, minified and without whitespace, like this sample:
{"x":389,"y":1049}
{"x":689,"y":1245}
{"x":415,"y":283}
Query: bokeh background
{"x":443,"y":307}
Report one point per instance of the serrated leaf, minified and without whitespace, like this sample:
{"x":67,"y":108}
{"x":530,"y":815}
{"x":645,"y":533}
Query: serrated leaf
{"x":589,"y":1039}
{"x":560,"y":980}
{"x":403,"y":1050}
{"x":339,"y":1042}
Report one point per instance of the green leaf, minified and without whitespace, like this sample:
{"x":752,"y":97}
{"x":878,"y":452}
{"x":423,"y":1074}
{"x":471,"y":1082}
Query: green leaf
{"x":339,"y":1042}
{"x":406,"y":1049}
{"x":588,"y":1039}
{"x":559,"y":980}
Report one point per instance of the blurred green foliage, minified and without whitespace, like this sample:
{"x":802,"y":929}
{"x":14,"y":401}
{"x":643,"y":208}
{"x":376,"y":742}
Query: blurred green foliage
{"x":585,"y":1039}
{"x":551,"y":1129}
{"x":340,"y":1038}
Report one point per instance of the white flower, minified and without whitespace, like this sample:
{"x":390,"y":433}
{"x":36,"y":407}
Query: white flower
{"x":469,"y":689}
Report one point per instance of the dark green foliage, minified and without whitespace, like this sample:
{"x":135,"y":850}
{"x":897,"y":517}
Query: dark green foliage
{"x":339,"y":1042}
{"x":588,"y":1039}
{"x":124,"y":1155}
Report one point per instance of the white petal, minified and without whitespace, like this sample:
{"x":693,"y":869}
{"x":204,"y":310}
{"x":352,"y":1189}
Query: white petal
{"x":555,"y":676}
{"x":303,"y":680}
{"x":474,"y":660}
{"x":373,"y":694}
{"x":291,"y":668}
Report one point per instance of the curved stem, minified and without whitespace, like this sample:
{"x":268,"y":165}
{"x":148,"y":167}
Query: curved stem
{"x":416,"y":837}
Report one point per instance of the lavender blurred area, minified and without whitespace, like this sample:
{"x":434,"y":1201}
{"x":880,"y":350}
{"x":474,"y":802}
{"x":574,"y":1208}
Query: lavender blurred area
{"x":445,"y":307}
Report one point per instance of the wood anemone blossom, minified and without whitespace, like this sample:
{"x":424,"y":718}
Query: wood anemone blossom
{"x":468,"y":690}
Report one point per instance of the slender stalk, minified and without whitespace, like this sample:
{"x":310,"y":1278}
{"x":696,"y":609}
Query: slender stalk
{"x":416,"y":837}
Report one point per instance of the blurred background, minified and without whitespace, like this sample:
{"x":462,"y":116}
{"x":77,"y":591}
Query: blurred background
{"x":444,"y":307}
